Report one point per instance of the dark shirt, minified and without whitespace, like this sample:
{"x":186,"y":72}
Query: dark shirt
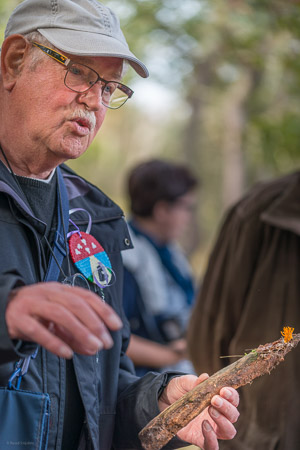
{"x":42,"y":199}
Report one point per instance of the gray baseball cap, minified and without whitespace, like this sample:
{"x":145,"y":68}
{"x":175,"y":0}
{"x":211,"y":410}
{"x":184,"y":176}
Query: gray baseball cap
{"x":81,"y":27}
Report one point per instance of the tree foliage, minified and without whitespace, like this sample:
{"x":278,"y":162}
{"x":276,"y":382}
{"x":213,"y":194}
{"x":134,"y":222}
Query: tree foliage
{"x":235,"y":67}
{"x":223,"y":96}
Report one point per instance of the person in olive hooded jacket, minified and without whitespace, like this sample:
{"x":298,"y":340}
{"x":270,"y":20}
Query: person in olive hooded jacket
{"x":249,"y":294}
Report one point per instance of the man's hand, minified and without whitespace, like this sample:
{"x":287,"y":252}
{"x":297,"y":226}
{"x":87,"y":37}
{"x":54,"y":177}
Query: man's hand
{"x":61,"y":318}
{"x":214,"y":423}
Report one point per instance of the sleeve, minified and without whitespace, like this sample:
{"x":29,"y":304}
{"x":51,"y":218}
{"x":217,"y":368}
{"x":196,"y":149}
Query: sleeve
{"x":10,"y":350}
{"x":141,"y":400}
{"x":220,"y":303}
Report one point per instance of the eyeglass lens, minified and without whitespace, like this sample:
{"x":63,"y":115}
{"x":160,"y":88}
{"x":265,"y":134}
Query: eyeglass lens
{"x":81,"y":78}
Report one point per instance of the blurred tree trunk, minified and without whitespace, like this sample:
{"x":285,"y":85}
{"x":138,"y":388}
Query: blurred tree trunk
{"x":192,"y":137}
{"x":236,"y":111}
{"x":233,"y":178}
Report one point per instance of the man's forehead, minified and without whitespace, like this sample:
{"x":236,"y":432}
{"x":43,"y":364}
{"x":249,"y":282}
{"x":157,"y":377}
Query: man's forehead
{"x":111,"y":65}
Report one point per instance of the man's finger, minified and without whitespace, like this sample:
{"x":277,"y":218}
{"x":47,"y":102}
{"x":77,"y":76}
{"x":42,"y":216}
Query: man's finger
{"x":37,"y":317}
{"x":32,"y":330}
{"x":82,"y":314}
{"x":210,"y":438}
{"x":77,"y":317}
{"x":226,"y":408}
{"x":202,"y":377}
{"x":83,"y":303}
{"x":231,"y":395}
{"x":224,"y":428}
{"x":107,"y":314}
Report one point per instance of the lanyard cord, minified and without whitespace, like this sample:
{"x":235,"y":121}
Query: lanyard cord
{"x":62,"y":219}
{"x":64,"y":230}
{"x":55,"y":259}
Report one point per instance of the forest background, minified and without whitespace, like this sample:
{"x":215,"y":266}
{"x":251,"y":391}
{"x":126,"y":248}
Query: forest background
{"x":223,"y":97}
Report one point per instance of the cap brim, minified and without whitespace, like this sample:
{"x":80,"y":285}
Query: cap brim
{"x":92,"y":44}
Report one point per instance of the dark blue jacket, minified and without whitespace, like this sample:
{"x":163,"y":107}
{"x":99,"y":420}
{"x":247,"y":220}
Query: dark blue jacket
{"x":117,"y":403}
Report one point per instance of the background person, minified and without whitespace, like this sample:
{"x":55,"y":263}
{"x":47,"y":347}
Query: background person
{"x":61,"y":68}
{"x":249,"y":293}
{"x":158,"y":289}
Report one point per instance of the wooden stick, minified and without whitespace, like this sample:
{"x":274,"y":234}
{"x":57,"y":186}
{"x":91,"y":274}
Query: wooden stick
{"x":258,"y":362}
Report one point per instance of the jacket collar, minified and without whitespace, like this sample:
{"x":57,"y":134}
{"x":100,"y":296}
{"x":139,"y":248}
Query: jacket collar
{"x":284,"y":211}
{"x":99,"y":206}
{"x":81,"y":192}
{"x":9,"y":186}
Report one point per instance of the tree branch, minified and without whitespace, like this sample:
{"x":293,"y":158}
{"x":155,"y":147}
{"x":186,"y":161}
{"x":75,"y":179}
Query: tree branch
{"x":254,"y":364}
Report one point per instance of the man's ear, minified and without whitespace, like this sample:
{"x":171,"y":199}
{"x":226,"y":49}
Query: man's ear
{"x":13,"y":52}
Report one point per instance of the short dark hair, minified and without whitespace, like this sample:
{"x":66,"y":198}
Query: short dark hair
{"x":157,"y":180}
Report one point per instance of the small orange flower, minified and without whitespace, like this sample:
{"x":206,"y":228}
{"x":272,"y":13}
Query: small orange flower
{"x":287,"y":333}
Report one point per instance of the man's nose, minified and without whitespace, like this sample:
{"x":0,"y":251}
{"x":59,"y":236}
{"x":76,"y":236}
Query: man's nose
{"x":93,"y":97}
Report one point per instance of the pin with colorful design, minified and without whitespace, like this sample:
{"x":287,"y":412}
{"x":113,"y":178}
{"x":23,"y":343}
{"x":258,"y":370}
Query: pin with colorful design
{"x":89,"y":256}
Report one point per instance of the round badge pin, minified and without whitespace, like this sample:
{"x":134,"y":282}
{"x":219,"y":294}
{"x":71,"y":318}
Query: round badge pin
{"x":90,"y":258}
{"x":88,"y":254}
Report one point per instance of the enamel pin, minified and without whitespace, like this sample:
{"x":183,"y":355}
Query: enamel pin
{"x":89,"y":257}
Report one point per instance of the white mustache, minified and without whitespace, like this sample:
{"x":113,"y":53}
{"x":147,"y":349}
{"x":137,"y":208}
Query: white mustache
{"x":89,"y":116}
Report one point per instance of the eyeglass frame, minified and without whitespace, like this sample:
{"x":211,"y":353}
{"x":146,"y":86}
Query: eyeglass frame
{"x":65,"y":61}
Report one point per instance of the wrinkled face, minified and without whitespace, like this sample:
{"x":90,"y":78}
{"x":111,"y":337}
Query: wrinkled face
{"x":52,"y":120}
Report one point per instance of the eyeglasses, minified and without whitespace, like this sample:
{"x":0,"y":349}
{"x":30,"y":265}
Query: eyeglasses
{"x":80,"y":78}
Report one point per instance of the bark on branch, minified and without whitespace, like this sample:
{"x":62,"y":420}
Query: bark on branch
{"x":258,"y":362}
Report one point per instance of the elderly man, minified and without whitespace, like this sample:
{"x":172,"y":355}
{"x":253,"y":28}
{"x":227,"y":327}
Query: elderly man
{"x":61,"y":68}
